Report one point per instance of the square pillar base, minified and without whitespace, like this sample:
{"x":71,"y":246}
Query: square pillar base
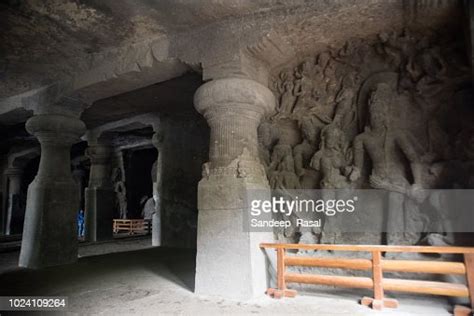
{"x":229,"y":260}
{"x":50,"y":229}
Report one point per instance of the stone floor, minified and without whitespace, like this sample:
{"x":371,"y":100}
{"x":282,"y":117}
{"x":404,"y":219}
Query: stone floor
{"x":160,"y":281}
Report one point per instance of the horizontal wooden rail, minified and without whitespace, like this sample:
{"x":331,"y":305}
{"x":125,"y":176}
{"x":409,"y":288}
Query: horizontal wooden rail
{"x":438,"y":267}
{"x":370,"y":248}
{"x":331,"y":280}
{"x":377,"y":265}
{"x":341,"y":263}
{"x":426,"y":287}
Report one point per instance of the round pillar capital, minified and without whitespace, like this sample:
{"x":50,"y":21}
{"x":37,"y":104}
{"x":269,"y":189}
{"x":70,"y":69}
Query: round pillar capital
{"x":234,"y":95}
{"x":55,"y":129}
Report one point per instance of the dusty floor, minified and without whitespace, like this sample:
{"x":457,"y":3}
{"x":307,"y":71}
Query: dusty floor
{"x":160,"y":281}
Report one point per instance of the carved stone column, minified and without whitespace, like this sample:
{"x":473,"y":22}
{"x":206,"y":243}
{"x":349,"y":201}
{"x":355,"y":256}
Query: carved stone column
{"x":13,"y":176}
{"x":99,"y":195}
{"x":156,"y":234}
{"x":229,"y":261}
{"x":470,"y":9}
{"x":50,"y":229}
{"x":79,"y":176}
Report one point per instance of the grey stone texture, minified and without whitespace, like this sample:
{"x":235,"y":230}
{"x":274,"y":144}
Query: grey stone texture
{"x":375,"y":113}
{"x":229,"y":262}
{"x":49,"y":235}
{"x":296,"y":94}
{"x":99,"y":195}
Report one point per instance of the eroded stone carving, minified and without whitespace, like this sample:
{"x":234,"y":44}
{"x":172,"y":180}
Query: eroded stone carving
{"x":120,"y":191}
{"x":333,"y":159}
{"x":361,"y":105}
{"x":381,"y":142}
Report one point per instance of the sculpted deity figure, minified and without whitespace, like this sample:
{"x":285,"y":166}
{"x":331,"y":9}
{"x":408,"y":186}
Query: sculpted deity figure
{"x":303,"y":152}
{"x":286,"y":87}
{"x":323,"y":60}
{"x":281,"y":170}
{"x":120,"y":192}
{"x":333,"y":159}
{"x":383,"y":143}
{"x":344,"y":113}
{"x":288,"y":99}
{"x":304,"y":86}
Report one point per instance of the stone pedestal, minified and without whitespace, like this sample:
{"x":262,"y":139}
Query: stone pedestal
{"x":13,"y":176}
{"x":50,"y":229}
{"x":99,"y":195}
{"x":229,"y":261}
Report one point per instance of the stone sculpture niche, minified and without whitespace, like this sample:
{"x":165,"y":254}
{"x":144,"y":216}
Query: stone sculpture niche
{"x":347,"y":118}
{"x":120,"y":192}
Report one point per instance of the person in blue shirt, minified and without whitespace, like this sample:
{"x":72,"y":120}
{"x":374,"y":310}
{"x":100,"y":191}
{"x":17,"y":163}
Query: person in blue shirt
{"x":80,"y":223}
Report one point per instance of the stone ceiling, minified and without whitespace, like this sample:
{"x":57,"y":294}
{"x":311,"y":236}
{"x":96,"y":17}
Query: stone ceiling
{"x":160,"y":97}
{"x":94,"y":52}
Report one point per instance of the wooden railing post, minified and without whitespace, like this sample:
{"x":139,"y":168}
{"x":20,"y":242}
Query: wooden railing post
{"x":469,"y":262}
{"x":377,"y":265}
{"x":281,"y":269}
{"x":460,"y":310}
{"x":378,"y":302}
{"x":281,"y":289}
{"x":377,"y":276}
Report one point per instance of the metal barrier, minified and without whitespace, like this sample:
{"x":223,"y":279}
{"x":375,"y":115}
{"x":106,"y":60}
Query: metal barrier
{"x":377,"y":265}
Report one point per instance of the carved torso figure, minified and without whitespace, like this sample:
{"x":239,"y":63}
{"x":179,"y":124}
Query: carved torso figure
{"x":343,"y":115}
{"x":304,"y":87}
{"x":281,"y":170}
{"x":333,"y":159}
{"x":120,"y":193}
{"x":288,"y":99}
{"x":383,"y":146}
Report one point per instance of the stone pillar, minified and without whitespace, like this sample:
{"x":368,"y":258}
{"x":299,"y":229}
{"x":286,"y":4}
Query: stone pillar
{"x":50,"y":229}
{"x":79,"y":176}
{"x":229,"y":261}
{"x":470,"y":10}
{"x":99,"y":195}
{"x":14,"y":176}
{"x":3,"y":199}
{"x":156,"y":233}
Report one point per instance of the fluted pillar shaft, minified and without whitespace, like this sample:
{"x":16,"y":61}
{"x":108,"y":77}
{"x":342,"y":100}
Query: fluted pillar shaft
{"x":50,"y":230}
{"x":229,"y":262}
{"x":99,"y":202}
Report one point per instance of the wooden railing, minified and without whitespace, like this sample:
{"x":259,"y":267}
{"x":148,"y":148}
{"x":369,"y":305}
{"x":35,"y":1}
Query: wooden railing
{"x":132,"y":226}
{"x":377,"y":265}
